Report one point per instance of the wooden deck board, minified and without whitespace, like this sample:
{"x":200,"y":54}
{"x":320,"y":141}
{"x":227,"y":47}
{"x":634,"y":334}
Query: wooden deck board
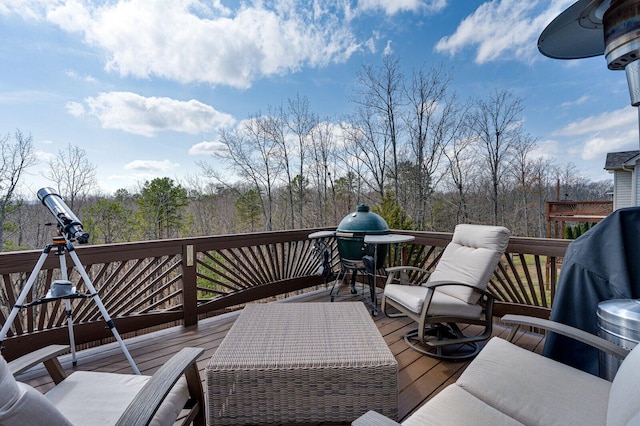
{"x":419,"y":377}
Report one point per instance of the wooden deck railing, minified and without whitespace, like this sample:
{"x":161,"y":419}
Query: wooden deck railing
{"x":145,"y":285}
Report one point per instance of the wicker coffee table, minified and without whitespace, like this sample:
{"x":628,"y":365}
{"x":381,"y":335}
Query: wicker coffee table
{"x":301,"y":363}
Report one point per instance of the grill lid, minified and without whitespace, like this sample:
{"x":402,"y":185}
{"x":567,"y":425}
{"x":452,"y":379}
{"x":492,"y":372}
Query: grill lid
{"x":363,"y":221}
{"x":350,"y":236}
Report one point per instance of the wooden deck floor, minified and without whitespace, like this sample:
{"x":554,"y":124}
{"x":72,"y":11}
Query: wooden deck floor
{"x":419,"y":377}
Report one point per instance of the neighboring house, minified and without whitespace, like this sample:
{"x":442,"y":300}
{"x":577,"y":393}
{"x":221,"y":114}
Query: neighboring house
{"x":626,"y":176}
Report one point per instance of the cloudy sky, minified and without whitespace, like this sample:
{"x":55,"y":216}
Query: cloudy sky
{"x":144,"y":86}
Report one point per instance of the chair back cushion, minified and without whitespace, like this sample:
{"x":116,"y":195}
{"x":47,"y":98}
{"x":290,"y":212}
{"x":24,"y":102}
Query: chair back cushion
{"x":22,"y":405}
{"x":470,"y":258}
{"x":624,"y":404}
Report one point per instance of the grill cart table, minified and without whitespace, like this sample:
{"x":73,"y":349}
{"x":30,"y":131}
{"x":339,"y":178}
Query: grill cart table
{"x":351,"y":247}
{"x":301,"y":363}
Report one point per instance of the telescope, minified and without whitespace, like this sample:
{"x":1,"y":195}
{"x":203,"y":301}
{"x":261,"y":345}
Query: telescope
{"x":71,"y":228}
{"x":68,"y":223}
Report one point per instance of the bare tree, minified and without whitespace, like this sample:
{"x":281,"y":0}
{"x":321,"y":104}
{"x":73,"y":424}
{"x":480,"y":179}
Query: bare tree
{"x":497,"y":125}
{"x":461,"y":169}
{"x":15,"y":157}
{"x":542,"y":170}
{"x":301,"y":122}
{"x":380,"y":94}
{"x":272,"y":128}
{"x":574,"y":185}
{"x":72,"y":173}
{"x":366,"y":149}
{"x":27,"y":228}
{"x":433,"y":121}
{"x":523,"y":174}
{"x":252,"y":154}
{"x":323,"y":169}
{"x":211,"y":206}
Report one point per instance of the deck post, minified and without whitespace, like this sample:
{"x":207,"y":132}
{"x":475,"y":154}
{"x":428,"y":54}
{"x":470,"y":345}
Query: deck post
{"x":189,"y":285}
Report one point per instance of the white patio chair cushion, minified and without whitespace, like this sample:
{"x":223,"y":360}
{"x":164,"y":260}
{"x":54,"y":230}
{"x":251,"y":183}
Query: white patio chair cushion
{"x":470,"y":259}
{"x":536,"y":390}
{"x":412,"y":297}
{"x":22,"y":405}
{"x":78,"y":396}
{"x":455,"y":406}
{"x":624,"y":403}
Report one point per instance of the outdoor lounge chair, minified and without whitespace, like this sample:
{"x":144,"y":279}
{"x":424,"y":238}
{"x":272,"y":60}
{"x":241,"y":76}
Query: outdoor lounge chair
{"x":455,"y":292}
{"x":97,"y":398}
{"x":509,"y":385}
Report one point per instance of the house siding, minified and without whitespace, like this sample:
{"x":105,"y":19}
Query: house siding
{"x":623,"y":189}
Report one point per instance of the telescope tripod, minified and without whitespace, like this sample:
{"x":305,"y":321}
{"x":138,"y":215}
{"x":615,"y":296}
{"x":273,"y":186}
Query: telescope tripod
{"x":62,"y":246}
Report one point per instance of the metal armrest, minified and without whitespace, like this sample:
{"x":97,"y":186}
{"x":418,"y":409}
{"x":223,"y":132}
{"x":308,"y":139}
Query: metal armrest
{"x":403,"y":270}
{"x":141,"y":410}
{"x":48,"y":356}
{"x":371,"y":418}
{"x":476,"y":289}
{"x":565,"y":330}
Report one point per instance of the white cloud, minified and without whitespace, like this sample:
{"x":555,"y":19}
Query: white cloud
{"x":502,"y":29}
{"x":196,"y":41}
{"x":146,"y":116}
{"x":546,"y":150}
{"x":388,"y":50}
{"x":370,"y":44}
{"x":608,"y":132}
{"x":27,"y":9}
{"x":597,"y":147}
{"x":75,"y":108}
{"x":613,"y":121}
{"x":151,"y":166}
{"x":75,"y":76}
{"x":391,"y":7}
{"x":208,"y":148}
{"x":582,"y":99}
{"x":27,"y":96}
{"x":44,"y":156}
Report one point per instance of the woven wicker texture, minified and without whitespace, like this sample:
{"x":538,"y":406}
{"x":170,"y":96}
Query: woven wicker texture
{"x":301,"y":362}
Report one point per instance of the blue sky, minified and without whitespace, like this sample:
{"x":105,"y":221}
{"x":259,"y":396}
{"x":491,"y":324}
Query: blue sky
{"x":143,"y":86}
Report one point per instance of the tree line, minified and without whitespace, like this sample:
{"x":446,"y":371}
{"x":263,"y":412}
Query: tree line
{"x":412,"y":149}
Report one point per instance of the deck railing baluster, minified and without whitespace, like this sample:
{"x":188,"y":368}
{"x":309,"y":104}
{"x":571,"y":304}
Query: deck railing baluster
{"x":151,"y":283}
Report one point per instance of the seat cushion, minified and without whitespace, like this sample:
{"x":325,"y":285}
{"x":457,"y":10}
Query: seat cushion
{"x":455,"y":406}
{"x":412,"y":297}
{"x":100,"y":398}
{"x":22,"y":405}
{"x":533,"y":389}
{"x":470,"y":258}
{"x":624,"y":403}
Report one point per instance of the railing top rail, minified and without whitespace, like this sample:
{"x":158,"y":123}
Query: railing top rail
{"x":24,"y":260}
{"x":147,"y":284}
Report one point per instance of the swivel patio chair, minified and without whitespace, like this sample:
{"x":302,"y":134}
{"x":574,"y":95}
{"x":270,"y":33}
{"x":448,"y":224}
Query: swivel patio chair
{"x":96,"y":398}
{"x":454,"y":293}
{"x":510,"y":385}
